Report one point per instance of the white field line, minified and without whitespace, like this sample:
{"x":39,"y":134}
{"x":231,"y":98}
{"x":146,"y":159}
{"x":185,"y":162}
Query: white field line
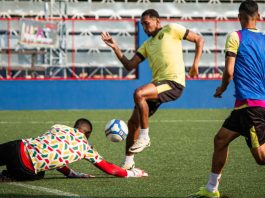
{"x":63,"y":121}
{"x":43,"y":189}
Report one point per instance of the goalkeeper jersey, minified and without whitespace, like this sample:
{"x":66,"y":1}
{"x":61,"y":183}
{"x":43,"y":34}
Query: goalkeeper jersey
{"x":58,"y":147}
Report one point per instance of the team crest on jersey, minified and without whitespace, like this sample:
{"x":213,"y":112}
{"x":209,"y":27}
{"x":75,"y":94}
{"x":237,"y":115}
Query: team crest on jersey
{"x":160,"y":36}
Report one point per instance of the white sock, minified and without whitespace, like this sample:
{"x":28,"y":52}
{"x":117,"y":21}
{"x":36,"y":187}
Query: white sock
{"x":129,"y":158}
{"x":144,"y":134}
{"x":213,"y":182}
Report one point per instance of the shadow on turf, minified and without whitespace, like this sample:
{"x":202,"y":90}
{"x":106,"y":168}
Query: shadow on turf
{"x":93,"y":178}
{"x":29,"y":196}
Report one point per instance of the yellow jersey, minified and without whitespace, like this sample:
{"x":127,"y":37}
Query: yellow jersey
{"x":164,"y":53}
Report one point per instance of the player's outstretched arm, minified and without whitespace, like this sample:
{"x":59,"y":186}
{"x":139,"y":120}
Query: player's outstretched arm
{"x":199,"y":43}
{"x":128,"y":64}
{"x":70,"y":173}
{"x":115,"y":170}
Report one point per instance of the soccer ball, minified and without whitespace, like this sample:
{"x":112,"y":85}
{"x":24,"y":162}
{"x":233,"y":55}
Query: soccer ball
{"x":116,"y":130}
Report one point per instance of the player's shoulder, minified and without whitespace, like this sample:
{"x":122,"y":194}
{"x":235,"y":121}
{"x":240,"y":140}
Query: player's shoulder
{"x":173,"y":26}
{"x":233,"y":35}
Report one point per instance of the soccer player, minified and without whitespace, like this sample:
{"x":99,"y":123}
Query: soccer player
{"x":28,"y":159}
{"x":245,"y":63}
{"x":163,"y":50}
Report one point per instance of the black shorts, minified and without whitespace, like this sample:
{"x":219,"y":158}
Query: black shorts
{"x":250,"y":123}
{"x":10,"y":156}
{"x":167,"y":91}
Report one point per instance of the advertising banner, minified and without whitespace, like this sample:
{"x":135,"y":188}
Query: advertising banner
{"x":38,"y":33}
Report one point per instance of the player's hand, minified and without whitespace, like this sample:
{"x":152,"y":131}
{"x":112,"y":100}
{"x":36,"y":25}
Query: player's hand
{"x":218,"y":92}
{"x":75,"y":174}
{"x":136,"y":172}
{"x":105,"y":36}
{"x":194,"y":72}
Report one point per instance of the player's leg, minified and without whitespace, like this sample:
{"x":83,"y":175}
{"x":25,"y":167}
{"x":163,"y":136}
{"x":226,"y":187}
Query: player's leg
{"x":134,"y":128}
{"x":16,"y":168}
{"x":133,"y":133}
{"x":256,"y":138}
{"x":233,"y":127}
{"x":164,"y":91}
{"x":7,"y":157}
{"x":134,"y":125}
{"x":228,"y":132}
{"x":141,"y":96}
{"x":148,"y":99}
{"x":248,"y":122}
{"x":6,"y":150}
{"x":221,"y":142}
{"x":259,"y":154}
{"x":3,"y":153}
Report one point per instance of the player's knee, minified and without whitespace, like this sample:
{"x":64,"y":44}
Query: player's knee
{"x":138,"y":95}
{"x":219,"y":142}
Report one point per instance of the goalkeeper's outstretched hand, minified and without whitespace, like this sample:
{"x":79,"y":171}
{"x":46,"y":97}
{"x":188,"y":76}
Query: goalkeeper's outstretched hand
{"x":75,"y":174}
{"x":136,"y":172}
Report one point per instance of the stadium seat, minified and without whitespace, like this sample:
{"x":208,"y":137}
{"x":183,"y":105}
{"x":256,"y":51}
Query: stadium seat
{"x":83,"y":42}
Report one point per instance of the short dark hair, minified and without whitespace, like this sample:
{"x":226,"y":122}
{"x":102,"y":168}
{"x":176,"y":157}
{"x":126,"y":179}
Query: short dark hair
{"x":250,"y":7}
{"x":81,"y":122}
{"x":150,"y":13}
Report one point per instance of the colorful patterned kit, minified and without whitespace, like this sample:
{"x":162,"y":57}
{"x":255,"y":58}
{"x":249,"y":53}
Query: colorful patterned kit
{"x":58,"y":147}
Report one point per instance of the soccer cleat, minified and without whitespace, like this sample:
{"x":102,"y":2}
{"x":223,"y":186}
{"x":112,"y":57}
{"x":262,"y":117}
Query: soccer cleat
{"x":203,"y":192}
{"x":127,"y":165}
{"x":139,"y":145}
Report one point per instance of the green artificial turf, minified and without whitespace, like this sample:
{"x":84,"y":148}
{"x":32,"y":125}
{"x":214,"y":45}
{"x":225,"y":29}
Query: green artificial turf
{"x":178,"y":161}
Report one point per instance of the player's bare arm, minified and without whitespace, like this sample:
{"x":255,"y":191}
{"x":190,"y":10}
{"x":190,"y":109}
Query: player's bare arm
{"x":199,"y":43}
{"x":227,"y":76}
{"x":129,"y":64}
